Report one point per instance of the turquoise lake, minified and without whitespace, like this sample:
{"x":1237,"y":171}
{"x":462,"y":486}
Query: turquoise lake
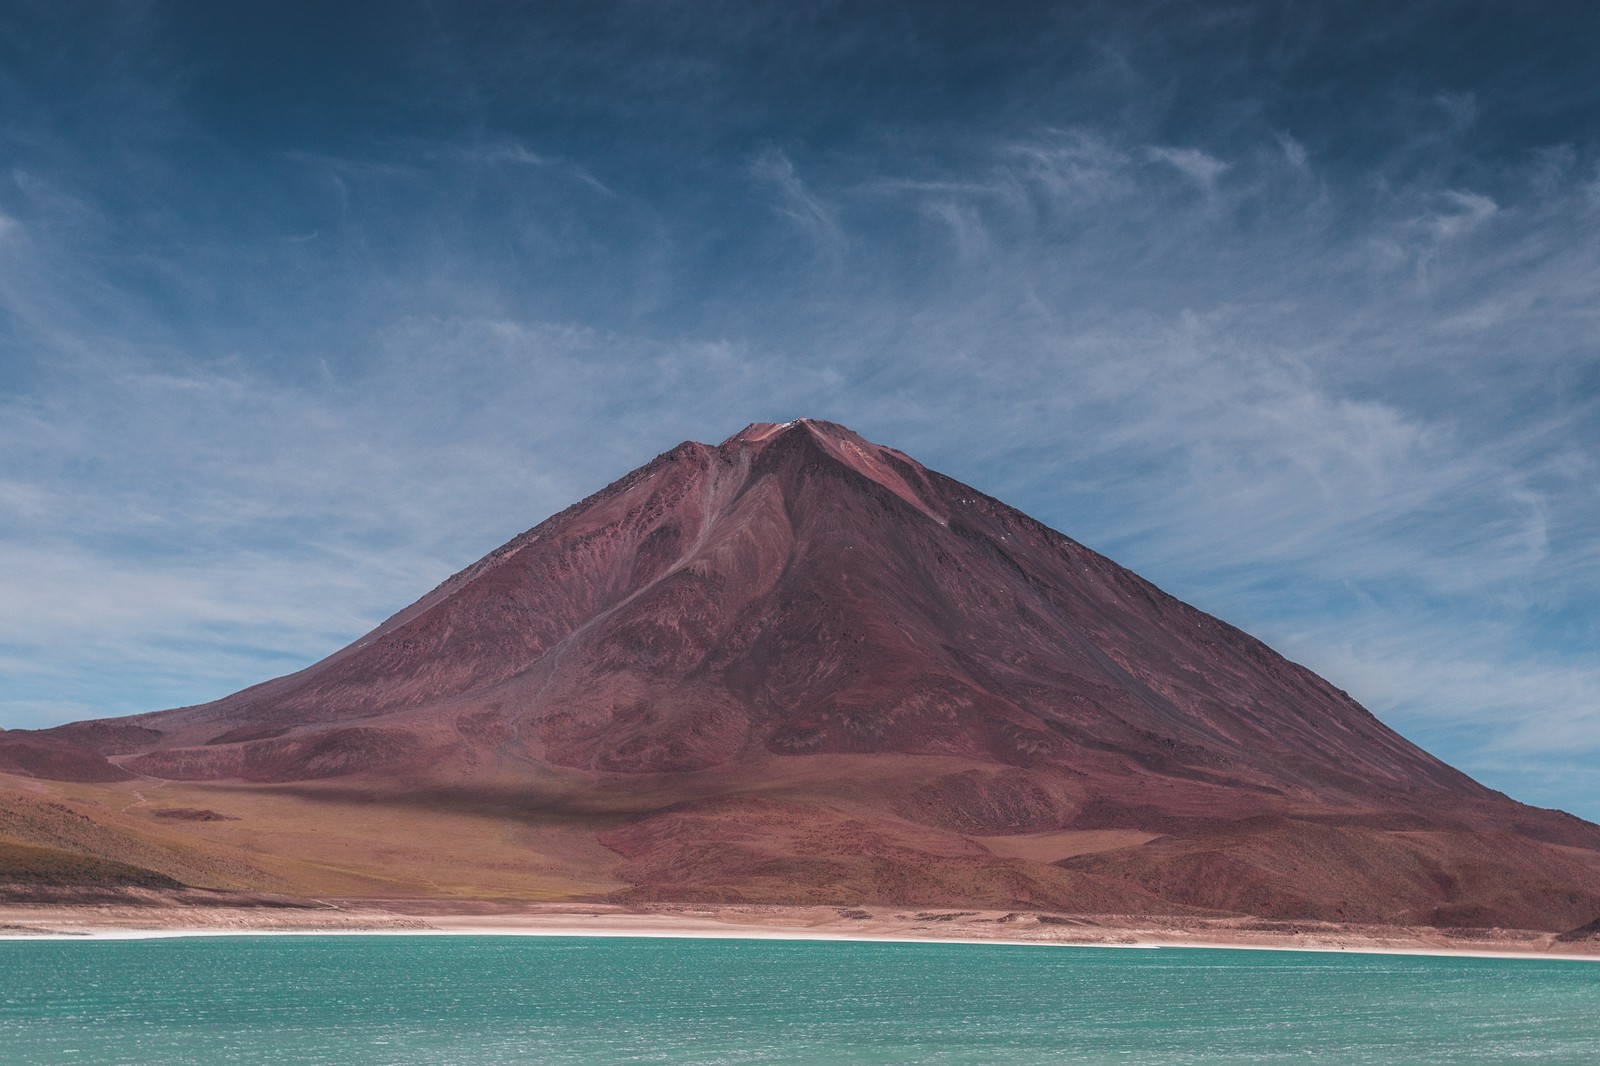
{"x":486,"y":1000}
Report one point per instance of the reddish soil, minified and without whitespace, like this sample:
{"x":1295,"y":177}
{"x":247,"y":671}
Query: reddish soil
{"x":29,"y":754}
{"x":799,"y":667}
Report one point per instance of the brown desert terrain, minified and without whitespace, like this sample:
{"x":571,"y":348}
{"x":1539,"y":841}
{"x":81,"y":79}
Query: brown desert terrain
{"x":796,"y":673}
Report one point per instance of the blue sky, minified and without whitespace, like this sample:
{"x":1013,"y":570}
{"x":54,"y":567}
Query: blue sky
{"x":1290,"y":307}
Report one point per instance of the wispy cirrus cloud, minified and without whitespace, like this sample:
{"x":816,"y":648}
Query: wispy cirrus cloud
{"x":1192,"y":163}
{"x":796,"y":203}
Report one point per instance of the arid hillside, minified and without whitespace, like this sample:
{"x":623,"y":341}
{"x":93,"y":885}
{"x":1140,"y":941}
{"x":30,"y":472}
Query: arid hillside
{"x":800,"y":667}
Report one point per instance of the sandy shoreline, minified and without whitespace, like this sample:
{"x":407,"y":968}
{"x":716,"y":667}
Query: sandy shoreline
{"x":22,"y":921}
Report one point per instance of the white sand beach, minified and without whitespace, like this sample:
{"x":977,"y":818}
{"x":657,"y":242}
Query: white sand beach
{"x":901,"y":925}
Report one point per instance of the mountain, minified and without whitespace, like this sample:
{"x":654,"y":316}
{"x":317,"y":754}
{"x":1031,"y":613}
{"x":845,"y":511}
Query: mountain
{"x":799,"y":666}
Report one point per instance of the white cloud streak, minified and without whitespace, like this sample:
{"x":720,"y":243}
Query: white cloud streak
{"x":796,"y":203}
{"x":1197,"y":166}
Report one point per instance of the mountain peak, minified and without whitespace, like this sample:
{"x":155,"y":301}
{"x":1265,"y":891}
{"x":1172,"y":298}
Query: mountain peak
{"x":889,"y":468}
{"x":759,"y":433}
{"x":796,"y":679}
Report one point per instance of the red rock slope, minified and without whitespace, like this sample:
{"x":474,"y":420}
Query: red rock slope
{"x":798,"y":602}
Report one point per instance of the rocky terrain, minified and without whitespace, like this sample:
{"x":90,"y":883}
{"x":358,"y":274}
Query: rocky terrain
{"x":799,"y":668}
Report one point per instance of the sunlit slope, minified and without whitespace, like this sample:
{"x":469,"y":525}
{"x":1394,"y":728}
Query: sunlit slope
{"x":800,"y":666}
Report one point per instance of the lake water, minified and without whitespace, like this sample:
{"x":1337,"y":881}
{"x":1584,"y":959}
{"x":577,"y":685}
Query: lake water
{"x":550,"y":1000}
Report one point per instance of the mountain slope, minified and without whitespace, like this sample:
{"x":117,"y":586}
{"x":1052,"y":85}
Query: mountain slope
{"x":738,"y":656}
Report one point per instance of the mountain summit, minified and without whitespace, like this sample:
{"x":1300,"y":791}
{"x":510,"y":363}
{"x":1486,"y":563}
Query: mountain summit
{"x":800,"y":666}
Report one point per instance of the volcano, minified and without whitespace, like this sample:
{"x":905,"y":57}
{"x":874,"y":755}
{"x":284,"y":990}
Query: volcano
{"x":799,"y":666}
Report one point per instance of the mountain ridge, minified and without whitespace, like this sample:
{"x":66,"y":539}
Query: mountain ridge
{"x":736,"y":650}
